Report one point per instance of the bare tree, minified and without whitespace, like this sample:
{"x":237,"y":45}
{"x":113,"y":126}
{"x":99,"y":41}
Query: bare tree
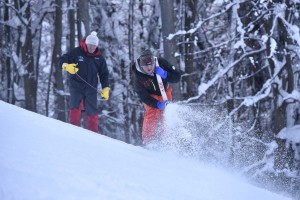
{"x":7,"y":68}
{"x":30,"y":77}
{"x":281,"y":116}
{"x":83,"y":19}
{"x":168,"y":27}
{"x":58,"y":89}
{"x":71,"y":18}
{"x":188,"y":46}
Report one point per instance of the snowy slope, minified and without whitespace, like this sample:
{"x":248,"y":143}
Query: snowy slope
{"x":42,"y":158}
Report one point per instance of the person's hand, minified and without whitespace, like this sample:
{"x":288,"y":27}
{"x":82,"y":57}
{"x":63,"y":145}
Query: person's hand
{"x":105,"y":93}
{"x":71,"y":68}
{"x":162,"y":105}
{"x":160,"y":71}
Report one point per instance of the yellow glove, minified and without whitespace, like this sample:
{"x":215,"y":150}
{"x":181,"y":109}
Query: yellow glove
{"x":105,"y":93}
{"x":70,"y":68}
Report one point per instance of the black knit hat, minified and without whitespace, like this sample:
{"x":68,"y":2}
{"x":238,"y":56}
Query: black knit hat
{"x":146,"y":58}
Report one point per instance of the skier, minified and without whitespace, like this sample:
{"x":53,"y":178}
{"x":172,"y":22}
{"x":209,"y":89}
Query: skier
{"x":85,"y":65}
{"x":147,"y":87}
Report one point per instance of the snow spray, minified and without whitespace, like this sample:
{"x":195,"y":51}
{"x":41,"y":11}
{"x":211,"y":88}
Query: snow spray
{"x":196,"y":131}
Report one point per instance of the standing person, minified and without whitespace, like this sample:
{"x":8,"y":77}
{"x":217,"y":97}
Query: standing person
{"x":85,"y":65}
{"x":148,"y":90}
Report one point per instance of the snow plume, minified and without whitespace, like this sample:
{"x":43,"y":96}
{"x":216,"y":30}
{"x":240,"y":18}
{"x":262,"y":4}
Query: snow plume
{"x":208,"y":134}
{"x":195,"y":131}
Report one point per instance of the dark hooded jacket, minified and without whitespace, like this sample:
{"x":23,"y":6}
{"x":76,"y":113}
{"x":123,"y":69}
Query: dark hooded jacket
{"x":83,"y":85}
{"x":145,"y":84}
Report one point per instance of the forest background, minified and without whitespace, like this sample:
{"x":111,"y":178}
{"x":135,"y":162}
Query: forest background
{"x":239,"y":61}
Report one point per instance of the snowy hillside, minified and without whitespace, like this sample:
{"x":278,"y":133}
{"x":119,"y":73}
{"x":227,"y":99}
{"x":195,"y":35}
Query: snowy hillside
{"x":42,"y":158}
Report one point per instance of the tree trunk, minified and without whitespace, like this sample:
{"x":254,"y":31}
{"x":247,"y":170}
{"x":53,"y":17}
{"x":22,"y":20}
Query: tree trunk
{"x":124,"y":73}
{"x":83,"y":19}
{"x":71,"y":17}
{"x":167,"y":18}
{"x":7,"y":60}
{"x":30,"y":78}
{"x":130,"y":30}
{"x":231,"y":59}
{"x":283,"y":154}
{"x":58,"y":87}
{"x":125,"y":97}
{"x":190,"y":80}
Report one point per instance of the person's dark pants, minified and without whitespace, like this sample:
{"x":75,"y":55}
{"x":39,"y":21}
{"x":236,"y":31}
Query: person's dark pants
{"x":91,"y":120}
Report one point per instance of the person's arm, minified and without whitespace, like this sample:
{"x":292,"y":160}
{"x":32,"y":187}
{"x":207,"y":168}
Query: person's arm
{"x":68,"y":63}
{"x":103,"y":73}
{"x":62,"y":59}
{"x":66,"y":58}
{"x":103,"y":76}
{"x":173,"y":76}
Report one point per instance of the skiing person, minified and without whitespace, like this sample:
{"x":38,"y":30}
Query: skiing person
{"x":85,"y":65}
{"x":147,"y":88}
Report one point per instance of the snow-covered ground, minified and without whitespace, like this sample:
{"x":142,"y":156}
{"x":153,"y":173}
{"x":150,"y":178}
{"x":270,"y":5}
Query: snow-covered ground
{"x":42,"y":158}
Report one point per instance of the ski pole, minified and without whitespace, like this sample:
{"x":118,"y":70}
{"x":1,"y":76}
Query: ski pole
{"x":161,"y":84}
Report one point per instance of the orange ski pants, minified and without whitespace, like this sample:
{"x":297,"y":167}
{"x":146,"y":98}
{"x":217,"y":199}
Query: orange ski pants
{"x":153,"y":118}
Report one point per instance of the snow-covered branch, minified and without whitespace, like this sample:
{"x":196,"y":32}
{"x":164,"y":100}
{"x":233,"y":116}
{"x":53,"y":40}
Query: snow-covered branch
{"x":204,"y":86}
{"x":200,"y":23}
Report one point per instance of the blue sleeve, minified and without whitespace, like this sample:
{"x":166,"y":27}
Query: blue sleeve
{"x":173,"y":74}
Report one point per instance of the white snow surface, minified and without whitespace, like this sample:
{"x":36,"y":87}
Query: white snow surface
{"x":43,"y":158}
